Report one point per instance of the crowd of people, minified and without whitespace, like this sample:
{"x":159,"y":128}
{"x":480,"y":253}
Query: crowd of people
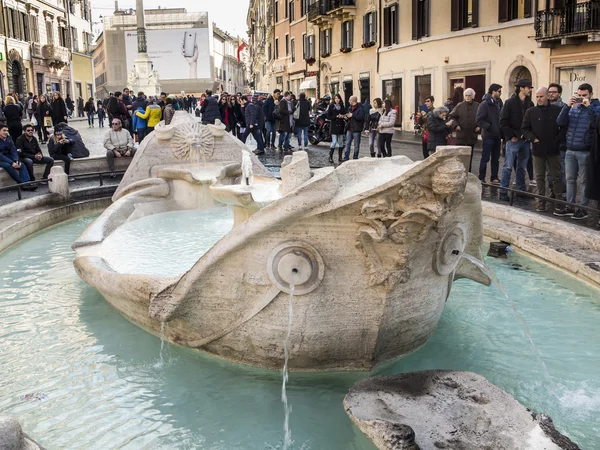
{"x":550,"y":142}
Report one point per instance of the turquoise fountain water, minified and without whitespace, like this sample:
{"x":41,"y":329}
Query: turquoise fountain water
{"x":80,"y":376}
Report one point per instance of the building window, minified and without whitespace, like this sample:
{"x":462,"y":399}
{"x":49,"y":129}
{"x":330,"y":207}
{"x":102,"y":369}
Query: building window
{"x":279,"y":82}
{"x":308,"y":47}
{"x":326,"y":42}
{"x":515,"y":9}
{"x":276,"y":48}
{"x":370,"y":28}
{"x":287,"y":45}
{"x":291,"y":8}
{"x":90,"y":88}
{"x":71,"y":6}
{"x":35,"y":32}
{"x":390,"y":25}
{"x":13,"y":24}
{"x":49,"y":33}
{"x":465,"y":14}
{"x":78,"y":90}
{"x":75,"y":39}
{"x":293,"y":51}
{"x":25,"y":26}
{"x":347,"y":33}
{"x":276,"y":9}
{"x":269,"y":53}
{"x":286,"y":9}
{"x":303,"y":7}
{"x":420,"y":18}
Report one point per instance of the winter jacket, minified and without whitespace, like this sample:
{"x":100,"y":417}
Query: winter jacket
{"x":372,"y":121}
{"x":89,"y":108}
{"x":78,"y":148}
{"x":251,"y":114}
{"x":28,"y":148}
{"x":153,"y":115}
{"x":59,"y":111}
{"x":464,"y":115}
{"x":118,"y":140}
{"x":8,"y":151}
{"x":437,"y":131}
{"x":268,"y":108}
{"x":357,"y":122}
{"x":13,"y":114}
{"x":511,"y":116}
{"x":540,"y":123}
{"x":581,"y":125}
{"x":210,"y":110}
{"x":56,"y":148}
{"x":285,"y":124}
{"x":488,"y":117}
{"x":338,"y":126}
{"x":304,"y":119}
{"x":387,"y":122}
{"x":261,"y":115}
{"x":43,"y":110}
{"x":139,"y":122}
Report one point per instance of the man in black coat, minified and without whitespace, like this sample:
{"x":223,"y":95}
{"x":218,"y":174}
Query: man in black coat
{"x":210,"y":109}
{"x":253,"y":114}
{"x":30,"y":152}
{"x":540,"y":128}
{"x":356,"y":119}
{"x":517,"y":147}
{"x":286,"y":121}
{"x":488,"y":120}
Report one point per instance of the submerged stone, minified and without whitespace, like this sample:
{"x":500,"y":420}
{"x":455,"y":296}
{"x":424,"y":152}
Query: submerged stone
{"x":444,"y":409}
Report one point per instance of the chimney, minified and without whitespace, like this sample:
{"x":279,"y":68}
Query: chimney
{"x":116,"y":5}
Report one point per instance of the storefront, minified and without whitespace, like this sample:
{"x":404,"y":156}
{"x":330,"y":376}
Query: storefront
{"x":392,"y":90}
{"x":422,"y":89}
{"x":570,"y":78}
{"x":364,"y":86}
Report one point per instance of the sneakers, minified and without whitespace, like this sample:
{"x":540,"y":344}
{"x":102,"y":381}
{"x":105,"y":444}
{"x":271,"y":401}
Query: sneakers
{"x":540,"y":207}
{"x":532,"y":183}
{"x":258,"y":152}
{"x":495,"y":181}
{"x":580,"y":214}
{"x":563,"y":212}
{"x":113,"y":175}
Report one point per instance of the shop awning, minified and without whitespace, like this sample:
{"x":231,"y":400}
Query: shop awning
{"x":308,"y":84}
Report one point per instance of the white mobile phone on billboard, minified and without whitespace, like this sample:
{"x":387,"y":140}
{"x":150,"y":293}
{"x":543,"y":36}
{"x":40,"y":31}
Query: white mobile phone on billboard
{"x":189,"y":42}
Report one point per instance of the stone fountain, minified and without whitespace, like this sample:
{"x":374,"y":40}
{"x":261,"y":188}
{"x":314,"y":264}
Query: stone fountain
{"x":367,"y":248}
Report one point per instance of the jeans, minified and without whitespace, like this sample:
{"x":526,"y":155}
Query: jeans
{"x":384,"y":140}
{"x":141,"y":132}
{"x":352,"y":136}
{"x":90,"y":118}
{"x":257,"y":135}
{"x":20,"y":176}
{"x":299,"y":132}
{"x":491,"y":148}
{"x":515,"y":151}
{"x":337,"y":140}
{"x":576,"y":162}
{"x":28,"y":163}
{"x":284,"y":139}
{"x":372,"y":142}
{"x":271,"y":133}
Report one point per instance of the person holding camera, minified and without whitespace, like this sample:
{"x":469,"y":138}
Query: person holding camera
{"x":579,"y":115}
{"x":59,"y":148}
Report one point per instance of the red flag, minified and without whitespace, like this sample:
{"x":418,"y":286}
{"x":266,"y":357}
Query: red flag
{"x":240,"y":49}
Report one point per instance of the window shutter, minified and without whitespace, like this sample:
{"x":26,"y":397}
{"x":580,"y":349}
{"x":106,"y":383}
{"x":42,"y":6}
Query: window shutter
{"x":455,"y":15}
{"x":374,"y":30}
{"x":415,"y":19}
{"x":386,"y":27}
{"x":475,"y":14}
{"x":343,"y":40}
{"x":426,"y":9}
{"x":365,"y":28}
{"x":502,"y":10}
{"x":351,"y":34}
{"x":527,"y":8}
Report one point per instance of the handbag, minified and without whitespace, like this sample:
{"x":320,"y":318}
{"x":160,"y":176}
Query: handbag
{"x":48,"y":121}
{"x":425,"y":136}
{"x":297,"y":113}
{"x":34,"y":121}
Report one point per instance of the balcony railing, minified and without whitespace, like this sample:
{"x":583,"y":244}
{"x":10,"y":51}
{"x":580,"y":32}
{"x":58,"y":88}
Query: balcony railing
{"x":317,"y":11}
{"x":576,"y":20}
{"x":56,"y":54}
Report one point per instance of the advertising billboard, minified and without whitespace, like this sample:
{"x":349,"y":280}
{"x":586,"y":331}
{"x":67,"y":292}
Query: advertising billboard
{"x":177,"y":54}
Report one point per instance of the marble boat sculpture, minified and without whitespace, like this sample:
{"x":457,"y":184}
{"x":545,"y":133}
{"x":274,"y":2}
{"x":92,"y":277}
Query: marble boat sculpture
{"x":368,"y":246}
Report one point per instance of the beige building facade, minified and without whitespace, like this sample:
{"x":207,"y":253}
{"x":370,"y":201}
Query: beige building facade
{"x":408,"y":50}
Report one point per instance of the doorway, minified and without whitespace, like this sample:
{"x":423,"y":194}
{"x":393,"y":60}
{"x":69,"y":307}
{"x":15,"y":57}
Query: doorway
{"x":422,"y":89}
{"x":392,"y":90}
{"x":518,"y":73}
{"x":475,"y":82}
{"x":348,"y":92}
{"x":17,"y":78}
{"x":364,"y":87}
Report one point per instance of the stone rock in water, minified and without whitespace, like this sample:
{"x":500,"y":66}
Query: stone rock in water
{"x":12,"y":436}
{"x":444,"y":409}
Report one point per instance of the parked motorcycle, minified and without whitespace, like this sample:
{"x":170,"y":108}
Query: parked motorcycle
{"x":319,"y":129}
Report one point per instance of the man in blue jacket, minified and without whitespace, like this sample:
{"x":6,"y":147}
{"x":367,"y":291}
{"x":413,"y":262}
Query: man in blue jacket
{"x":210,"y":109}
{"x":579,"y":115}
{"x":9,"y":157}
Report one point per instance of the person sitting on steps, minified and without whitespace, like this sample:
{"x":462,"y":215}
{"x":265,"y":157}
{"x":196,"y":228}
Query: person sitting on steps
{"x":118,"y":143}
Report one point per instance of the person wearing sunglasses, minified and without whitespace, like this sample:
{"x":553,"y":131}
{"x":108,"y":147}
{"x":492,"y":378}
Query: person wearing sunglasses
{"x":30,"y":153}
{"x":118,"y":144}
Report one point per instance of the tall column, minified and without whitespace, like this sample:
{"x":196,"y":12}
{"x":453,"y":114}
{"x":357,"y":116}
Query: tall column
{"x":141,"y":27}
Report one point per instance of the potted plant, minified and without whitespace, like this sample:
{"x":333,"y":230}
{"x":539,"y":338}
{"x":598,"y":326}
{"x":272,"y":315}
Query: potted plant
{"x":310,"y":60}
{"x":324,"y":55}
{"x":346,"y":49}
{"x":368,"y":44}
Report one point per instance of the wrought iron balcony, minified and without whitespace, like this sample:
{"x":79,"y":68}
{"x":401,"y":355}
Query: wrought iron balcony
{"x":342,"y":9}
{"x":579,"y":20}
{"x":317,"y":12}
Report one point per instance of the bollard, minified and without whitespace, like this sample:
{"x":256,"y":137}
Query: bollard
{"x":58,"y":182}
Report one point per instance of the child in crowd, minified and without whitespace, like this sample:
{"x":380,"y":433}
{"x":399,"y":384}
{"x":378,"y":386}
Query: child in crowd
{"x":101,"y":114}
